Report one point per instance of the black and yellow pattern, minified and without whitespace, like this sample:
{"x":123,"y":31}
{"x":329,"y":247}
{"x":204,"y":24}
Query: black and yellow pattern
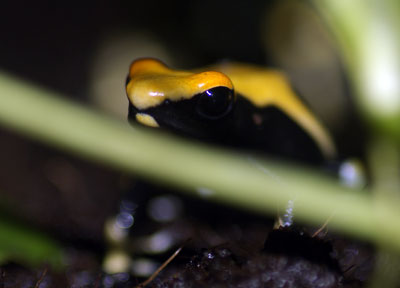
{"x":232,"y":104}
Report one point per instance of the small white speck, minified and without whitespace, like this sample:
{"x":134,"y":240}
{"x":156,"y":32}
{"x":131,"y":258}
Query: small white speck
{"x":124,"y":220}
{"x":351,"y":175}
{"x":287,"y":218}
{"x":159,"y":242}
{"x":156,"y":94}
{"x":204,"y":192}
{"x":143,"y":267}
{"x":164,"y":208}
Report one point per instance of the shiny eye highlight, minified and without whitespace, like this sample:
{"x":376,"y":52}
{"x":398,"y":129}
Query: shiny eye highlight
{"x":215,"y":103}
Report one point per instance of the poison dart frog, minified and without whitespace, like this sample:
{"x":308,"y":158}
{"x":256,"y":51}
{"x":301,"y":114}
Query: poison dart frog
{"x":232,"y":104}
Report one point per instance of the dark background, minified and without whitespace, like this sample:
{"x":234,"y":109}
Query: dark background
{"x":53,"y":43}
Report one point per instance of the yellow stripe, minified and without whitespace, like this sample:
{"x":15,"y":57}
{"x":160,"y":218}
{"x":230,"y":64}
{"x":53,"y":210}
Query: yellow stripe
{"x":265,"y":87}
{"x":151,"y":82}
{"x":146,"y":119}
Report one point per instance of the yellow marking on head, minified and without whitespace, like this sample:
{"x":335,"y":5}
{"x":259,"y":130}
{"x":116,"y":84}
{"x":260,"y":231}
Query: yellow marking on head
{"x":265,"y":87}
{"x":151,"y":82}
{"x":147,"y":120}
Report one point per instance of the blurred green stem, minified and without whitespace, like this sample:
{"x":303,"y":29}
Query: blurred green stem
{"x":238,"y":179}
{"x":384,"y":160}
{"x":368,"y":33}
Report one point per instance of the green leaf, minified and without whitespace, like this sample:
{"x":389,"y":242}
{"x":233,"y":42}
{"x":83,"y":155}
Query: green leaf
{"x":26,"y":246}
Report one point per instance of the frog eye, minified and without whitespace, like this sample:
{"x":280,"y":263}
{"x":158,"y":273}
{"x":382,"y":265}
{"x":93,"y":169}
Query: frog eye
{"x":215,"y":103}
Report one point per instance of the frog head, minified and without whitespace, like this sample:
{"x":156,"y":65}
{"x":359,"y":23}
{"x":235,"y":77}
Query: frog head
{"x":191,"y":103}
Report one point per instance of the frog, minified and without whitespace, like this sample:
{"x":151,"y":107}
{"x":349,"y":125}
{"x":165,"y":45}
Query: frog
{"x":241,"y":106}
{"x":230,"y":104}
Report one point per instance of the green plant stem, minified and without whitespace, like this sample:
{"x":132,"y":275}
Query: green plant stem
{"x":368,"y":33}
{"x":238,"y":179}
{"x":384,"y":160}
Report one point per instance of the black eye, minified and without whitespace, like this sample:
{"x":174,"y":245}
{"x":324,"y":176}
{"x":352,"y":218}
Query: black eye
{"x":215,"y":103}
